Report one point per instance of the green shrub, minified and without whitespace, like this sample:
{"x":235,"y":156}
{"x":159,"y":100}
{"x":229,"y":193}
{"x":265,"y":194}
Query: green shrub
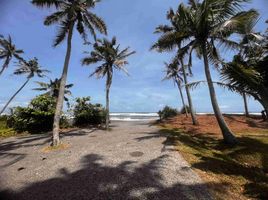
{"x":36,"y":118}
{"x":86,"y":113}
{"x":184,"y":108}
{"x":4,"y":130}
{"x":65,"y":122}
{"x":167,"y":112}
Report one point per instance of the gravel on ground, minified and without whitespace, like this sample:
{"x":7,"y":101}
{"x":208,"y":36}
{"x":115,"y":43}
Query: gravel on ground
{"x":132,"y":161}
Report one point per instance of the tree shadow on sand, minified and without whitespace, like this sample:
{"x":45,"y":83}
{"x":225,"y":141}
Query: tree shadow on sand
{"x":18,"y":144}
{"x":98,"y":181}
{"x":249,"y":159}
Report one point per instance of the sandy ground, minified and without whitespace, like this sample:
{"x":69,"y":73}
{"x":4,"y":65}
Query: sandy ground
{"x":133,"y":161}
{"x":209,"y":125}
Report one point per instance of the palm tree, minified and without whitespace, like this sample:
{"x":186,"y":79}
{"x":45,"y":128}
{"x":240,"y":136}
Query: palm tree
{"x":160,"y":46}
{"x":111,"y":57}
{"x":7,"y":51}
{"x":173,"y":72}
{"x":68,"y":15}
{"x":201,"y":27}
{"x":248,"y":39}
{"x":52,"y":89}
{"x":249,"y":77}
{"x":31,"y":69}
{"x":245,"y":104}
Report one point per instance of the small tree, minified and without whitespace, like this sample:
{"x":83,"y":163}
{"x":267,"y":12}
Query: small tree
{"x":53,"y":87}
{"x":173,"y":72}
{"x":111,"y":57}
{"x":167,"y":112}
{"x":31,"y":69}
{"x":70,"y":14}
{"x":7,"y":51}
{"x":86,"y":113}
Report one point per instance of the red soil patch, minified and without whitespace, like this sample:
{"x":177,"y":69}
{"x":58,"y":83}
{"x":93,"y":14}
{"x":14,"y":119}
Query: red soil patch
{"x":208,"y":124}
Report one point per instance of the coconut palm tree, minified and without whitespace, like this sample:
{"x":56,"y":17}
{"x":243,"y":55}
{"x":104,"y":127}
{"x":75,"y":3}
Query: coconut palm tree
{"x":52,"y":89}
{"x":68,"y":15}
{"x":110,"y":57}
{"x":249,"y":77}
{"x":7,"y":51}
{"x":173,"y":72}
{"x":249,"y":39}
{"x":205,"y":26}
{"x":31,"y":69}
{"x":160,"y":46}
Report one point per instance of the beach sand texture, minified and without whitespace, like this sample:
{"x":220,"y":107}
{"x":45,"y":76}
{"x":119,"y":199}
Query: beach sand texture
{"x":132,"y":161}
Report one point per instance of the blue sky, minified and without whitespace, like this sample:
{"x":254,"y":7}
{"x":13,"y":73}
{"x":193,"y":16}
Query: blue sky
{"x":133,"y":23}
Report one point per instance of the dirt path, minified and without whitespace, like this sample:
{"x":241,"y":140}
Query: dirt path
{"x":133,"y":161}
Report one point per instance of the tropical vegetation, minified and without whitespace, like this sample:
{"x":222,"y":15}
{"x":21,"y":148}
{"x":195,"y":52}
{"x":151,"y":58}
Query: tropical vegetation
{"x":52,"y":89}
{"x":85,"y":113}
{"x":167,"y":112}
{"x":70,"y":14}
{"x":8,"y":51}
{"x":111,"y":58}
{"x":30,"y":69}
{"x":173,"y":72}
{"x":202,"y":26}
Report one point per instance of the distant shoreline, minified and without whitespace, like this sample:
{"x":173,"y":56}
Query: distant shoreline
{"x":152,"y":116}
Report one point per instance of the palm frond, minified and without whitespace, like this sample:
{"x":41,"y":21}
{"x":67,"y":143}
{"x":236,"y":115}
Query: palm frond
{"x":48,"y":3}
{"x":62,"y":32}
{"x":54,"y":18}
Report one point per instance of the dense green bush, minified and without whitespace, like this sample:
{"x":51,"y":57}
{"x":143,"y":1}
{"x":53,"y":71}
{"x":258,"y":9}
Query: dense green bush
{"x":184,"y":108}
{"x":167,"y":112}
{"x":36,"y":118}
{"x":86,"y":113}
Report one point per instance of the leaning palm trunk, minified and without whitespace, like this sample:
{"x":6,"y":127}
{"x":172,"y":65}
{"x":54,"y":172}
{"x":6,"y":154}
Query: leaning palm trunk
{"x":4,"y":66}
{"x":56,"y":124}
{"x":228,"y":137}
{"x":194,"y":120}
{"x":4,"y":108}
{"x":108,"y":85}
{"x":245,"y":104}
{"x":107,"y":109}
{"x":264,"y":103}
{"x":182,"y":99}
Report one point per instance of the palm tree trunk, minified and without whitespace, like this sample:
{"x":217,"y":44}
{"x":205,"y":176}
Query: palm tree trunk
{"x":194,"y":120}
{"x":59,"y":106}
{"x":2,"y":70}
{"x":4,"y":108}
{"x":5,"y":65}
{"x":264,"y":103}
{"x":182,"y":99}
{"x":107,"y":107}
{"x":108,"y":85}
{"x":245,"y":104}
{"x":228,"y":136}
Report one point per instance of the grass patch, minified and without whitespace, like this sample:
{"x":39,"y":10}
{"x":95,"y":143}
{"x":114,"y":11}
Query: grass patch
{"x":60,"y":147}
{"x":4,"y":130}
{"x":242,"y":171}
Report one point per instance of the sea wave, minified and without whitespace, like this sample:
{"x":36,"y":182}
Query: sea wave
{"x":132,"y":119}
{"x":135,"y":114}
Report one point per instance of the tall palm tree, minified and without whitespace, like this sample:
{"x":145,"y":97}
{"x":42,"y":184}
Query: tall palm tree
{"x":111,"y":57}
{"x":249,"y":39}
{"x":53,"y":87}
{"x":173,"y":72}
{"x":7,"y":51}
{"x":202,"y":26}
{"x":70,"y":13}
{"x":250,"y":77}
{"x":31,"y":69}
{"x":160,"y":45}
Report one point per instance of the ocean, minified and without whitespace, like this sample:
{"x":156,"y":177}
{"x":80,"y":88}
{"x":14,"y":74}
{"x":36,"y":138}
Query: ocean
{"x":151,"y":116}
{"x":134,"y":116}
